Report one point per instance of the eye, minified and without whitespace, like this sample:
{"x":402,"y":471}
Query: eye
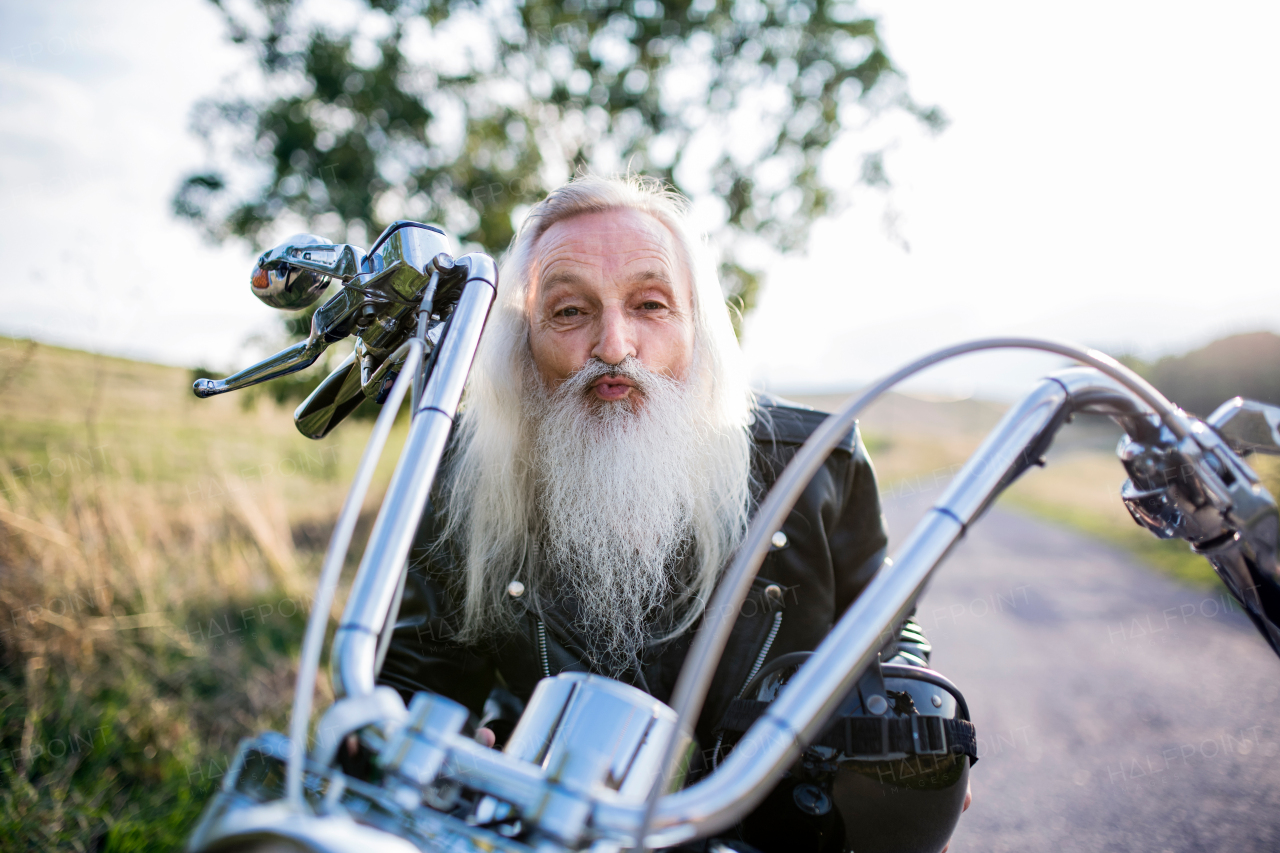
{"x":568,"y":312}
{"x":652,"y":306}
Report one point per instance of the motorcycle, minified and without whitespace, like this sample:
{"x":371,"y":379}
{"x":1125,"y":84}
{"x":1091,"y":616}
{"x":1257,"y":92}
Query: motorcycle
{"x":593,"y":763}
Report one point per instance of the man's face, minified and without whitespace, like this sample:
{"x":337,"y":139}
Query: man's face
{"x":609,"y":285}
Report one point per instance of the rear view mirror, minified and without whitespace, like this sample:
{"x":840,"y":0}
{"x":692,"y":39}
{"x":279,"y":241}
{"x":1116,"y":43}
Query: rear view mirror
{"x":294,"y":274}
{"x":1248,"y":426}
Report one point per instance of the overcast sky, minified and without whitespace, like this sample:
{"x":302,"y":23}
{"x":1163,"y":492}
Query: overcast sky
{"x":1109,"y":176}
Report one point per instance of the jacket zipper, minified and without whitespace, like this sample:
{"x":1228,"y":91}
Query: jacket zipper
{"x":542,"y":649}
{"x":764,"y":652}
{"x":755,"y":668}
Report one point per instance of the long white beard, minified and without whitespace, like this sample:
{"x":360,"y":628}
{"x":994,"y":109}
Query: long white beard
{"x":617,"y":484}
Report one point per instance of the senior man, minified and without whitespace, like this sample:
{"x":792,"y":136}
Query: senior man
{"x":604,"y":469}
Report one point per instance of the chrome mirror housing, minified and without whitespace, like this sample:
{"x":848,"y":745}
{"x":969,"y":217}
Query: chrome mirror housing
{"x":294,"y":274}
{"x":1248,"y":426}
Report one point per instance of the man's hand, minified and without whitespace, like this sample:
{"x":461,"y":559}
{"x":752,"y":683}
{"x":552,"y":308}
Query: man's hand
{"x":486,"y":737}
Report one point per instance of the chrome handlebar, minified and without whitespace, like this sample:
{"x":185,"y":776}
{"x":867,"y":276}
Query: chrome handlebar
{"x":560,"y":787}
{"x":705,"y":651}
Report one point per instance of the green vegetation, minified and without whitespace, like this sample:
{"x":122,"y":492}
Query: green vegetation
{"x":449,"y":112}
{"x":1201,"y":380}
{"x":158,"y":555}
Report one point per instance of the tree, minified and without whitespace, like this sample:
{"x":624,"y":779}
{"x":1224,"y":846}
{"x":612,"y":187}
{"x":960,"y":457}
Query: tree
{"x":463,"y":113}
{"x":1247,"y":365}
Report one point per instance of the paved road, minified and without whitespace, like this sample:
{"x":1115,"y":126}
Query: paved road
{"x":1116,"y":710}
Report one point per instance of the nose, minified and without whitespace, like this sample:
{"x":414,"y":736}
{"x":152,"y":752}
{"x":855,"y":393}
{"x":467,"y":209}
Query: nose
{"x":616,"y":337}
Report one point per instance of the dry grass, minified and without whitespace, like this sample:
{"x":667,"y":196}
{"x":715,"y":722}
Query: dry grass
{"x":156,"y":561}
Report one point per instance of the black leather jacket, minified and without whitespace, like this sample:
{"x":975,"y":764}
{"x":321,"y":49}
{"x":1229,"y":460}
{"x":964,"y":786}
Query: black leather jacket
{"x":831,"y":546}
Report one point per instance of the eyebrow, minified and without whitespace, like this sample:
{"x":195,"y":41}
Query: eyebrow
{"x":652,"y":275}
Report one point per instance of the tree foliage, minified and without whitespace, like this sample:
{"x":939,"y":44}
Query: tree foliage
{"x":1247,"y":365}
{"x":464,"y":112}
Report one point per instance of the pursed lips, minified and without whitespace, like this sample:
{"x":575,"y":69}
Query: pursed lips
{"x":613,"y":387}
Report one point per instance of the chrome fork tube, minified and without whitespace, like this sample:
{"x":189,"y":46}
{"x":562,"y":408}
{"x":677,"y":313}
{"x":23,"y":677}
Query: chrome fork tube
{"x":331,"y":571}
{"x":813,"y":693}
{"x":355,"y":645}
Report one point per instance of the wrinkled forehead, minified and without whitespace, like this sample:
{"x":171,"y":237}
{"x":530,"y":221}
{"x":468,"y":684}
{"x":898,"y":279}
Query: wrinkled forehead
{"x":620,"y":243}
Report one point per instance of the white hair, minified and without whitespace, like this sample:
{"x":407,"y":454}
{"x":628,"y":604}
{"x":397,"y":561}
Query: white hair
{"x":490,"y":500}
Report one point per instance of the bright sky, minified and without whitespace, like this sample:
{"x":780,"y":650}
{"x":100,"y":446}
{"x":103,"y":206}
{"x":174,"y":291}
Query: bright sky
{"x":1109,"y":177}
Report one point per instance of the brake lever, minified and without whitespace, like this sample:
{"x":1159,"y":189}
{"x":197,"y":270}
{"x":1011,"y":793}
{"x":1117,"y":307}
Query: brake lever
{"x":300,"y":356}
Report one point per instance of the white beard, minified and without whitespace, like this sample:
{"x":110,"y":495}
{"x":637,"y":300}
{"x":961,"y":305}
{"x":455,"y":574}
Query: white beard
{"x":616,"y":488}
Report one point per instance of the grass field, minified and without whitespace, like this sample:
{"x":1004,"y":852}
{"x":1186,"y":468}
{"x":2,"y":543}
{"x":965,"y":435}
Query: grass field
{"x":157,"y":557}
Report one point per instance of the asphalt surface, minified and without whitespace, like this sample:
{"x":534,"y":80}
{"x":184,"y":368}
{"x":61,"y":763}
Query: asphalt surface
{"x":1116,"y":710}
